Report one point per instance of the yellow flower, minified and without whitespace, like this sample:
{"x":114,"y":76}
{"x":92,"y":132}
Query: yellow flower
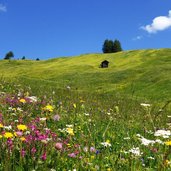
{"x":22,"y":100}
{"x":0,"y":136}
{"x":8,"y":135}
{"x":74,"y":105}
{"x":1,"y":125}
{"x":48,"y":108}
{"x":22,"y":138}
{"x":70,"y":131}
{"x":22,"y":127}
{"x":168,"y":143}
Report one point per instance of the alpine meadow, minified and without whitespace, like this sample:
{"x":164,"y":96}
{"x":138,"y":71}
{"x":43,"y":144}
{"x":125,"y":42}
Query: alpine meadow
{"x":69,"y":113}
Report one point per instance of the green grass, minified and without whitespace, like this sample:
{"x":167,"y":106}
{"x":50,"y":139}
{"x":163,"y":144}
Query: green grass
{"x":146,"y":73}
{"x":103,"y":106}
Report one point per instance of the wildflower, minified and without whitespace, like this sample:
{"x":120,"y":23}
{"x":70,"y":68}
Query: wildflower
{"x":33,"y":150}
{"x":68,"y":87}
{"x":72,"y":155}
{"x":48,"y":108}
{"x":146,"y":142}
{"x":18,"y":133}
{"x":74,"y":105}
{"x":22,"y":127}
{"x":23,"y":152}
{"x":8,"y":127}
{"x":106,"y":144}
{"x":58,"y":146}
{"x":70,"y":131}
{"x":8,"y":135}
{"x":1,"y":125}
{"x":92,"y":149}
{"x":168,"y":143}
{"x":22,"y":100}
{"x":0,"y":136}
{"x":56,"y":117}
{"x":23,"y":139}
{"x":32,"y":99}
{"x":162,"y":133}
{"x":145,"y":105}
{"x":167,"y":163}
{"x":43,"y":119}
{"x":43,"y":157}
{"x":85,"y":149}
{"x":135,"y":151}
{"x":69,"y":126}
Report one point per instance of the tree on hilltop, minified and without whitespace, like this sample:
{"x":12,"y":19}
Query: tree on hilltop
{"x":110,"y":46}
{"x":107,"y":46}
{"x":116,"y":46}
{"x":9,"y":55}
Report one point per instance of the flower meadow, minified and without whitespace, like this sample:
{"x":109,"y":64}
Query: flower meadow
{"x":67,"y":130}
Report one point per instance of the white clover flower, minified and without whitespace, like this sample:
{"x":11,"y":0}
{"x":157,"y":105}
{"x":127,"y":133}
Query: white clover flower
{"x":106,"y":144}
{"x":162,"y":133}
{"x":135,"y":151}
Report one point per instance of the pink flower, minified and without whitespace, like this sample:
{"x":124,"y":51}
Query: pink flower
{"x":43,"y":157}
{"x":58,"y":146}
{"x":19,"y":133}
{"x":23,"y":152}
{"x":33,"y":150}
{"x":72,"y":155}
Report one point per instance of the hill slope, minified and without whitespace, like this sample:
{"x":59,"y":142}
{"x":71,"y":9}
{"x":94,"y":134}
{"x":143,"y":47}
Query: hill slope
{"x":144,"y":73}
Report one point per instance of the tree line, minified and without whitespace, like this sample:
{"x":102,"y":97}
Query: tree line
{"x":10,"y":55}
{"x":109,"y":46}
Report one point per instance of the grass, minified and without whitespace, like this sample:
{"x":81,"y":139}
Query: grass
{"x":67,"y":113}
{"x":144,"y":72}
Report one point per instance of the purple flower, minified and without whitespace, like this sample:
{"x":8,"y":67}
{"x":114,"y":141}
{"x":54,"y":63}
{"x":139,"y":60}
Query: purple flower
{"x":56,"y":117}
{"x":92,"y":149}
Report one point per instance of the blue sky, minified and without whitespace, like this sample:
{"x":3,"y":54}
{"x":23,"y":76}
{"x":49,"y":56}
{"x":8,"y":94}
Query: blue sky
{"x":55,"y":28}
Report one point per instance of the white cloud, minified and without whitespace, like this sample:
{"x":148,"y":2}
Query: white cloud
{"x":138,"y":38}
{"x":3,"y":8}
{"x":159,"y":24}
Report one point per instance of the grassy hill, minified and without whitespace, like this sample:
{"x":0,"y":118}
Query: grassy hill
{"x":141,"y":73}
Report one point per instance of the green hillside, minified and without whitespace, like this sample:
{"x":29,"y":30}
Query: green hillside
{"x":141,"y":73}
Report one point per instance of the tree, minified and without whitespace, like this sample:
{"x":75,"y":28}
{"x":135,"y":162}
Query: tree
{"x":23,"y":58}
{"x":116,"y":46}
{"x":107,"y":46}
{"x":111,"y":47}
{"x":9,"y":55}
{"x":37,"y":59}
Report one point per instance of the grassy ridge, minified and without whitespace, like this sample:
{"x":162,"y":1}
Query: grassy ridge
{"x":143,"y":73}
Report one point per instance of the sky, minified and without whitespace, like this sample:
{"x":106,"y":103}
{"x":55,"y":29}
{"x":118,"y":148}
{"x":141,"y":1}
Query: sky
{"x":58,"y":28}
